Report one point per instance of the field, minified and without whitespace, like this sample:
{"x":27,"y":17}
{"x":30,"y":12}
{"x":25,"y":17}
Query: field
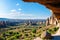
{"x":23,"y":32}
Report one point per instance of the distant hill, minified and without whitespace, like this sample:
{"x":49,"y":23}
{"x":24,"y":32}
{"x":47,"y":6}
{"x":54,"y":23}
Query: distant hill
{"x":18,"y":20}
{"x":5,"y":22}
{"x":4,"y":19}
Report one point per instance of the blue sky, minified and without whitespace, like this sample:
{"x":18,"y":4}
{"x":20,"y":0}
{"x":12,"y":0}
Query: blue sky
{"x":17,"y":9}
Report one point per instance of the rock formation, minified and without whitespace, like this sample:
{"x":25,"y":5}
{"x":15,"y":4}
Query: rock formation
{"x":51,"y":21}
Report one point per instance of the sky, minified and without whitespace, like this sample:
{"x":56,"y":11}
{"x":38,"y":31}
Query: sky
{"x":17,"y":9}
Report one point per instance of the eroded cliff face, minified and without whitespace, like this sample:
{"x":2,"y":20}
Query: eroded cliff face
{"x":53,"y":5}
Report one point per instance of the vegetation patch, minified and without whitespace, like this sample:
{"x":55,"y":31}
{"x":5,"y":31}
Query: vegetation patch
{"x":53,"y":30}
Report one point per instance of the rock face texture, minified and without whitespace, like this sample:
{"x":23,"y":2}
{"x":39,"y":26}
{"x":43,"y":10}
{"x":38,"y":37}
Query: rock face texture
{"x":51,"y":21}
{"x":53,"y":5}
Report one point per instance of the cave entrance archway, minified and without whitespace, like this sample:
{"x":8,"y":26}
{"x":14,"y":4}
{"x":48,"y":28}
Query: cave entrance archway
{"x":52,"y":5}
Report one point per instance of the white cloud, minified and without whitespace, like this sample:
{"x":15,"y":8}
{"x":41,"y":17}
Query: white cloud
{"x":19,"y":9}
{"x":4,"y":15}
{"x":13,"y":10}
{"x":18,"y":15}
{"x":14,"y":14}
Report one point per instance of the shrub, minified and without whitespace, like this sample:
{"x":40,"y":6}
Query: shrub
{"x":20,"y":35}
{"x":17,"y":36}
{"x":26,"y":34}
{"x":49,"y":31}
{"x":12,"y":38}
{"x":34,"y":30}
{"x":33,"y":35}
{"x":56,"y":28}
{"x":10,"y":32}
{"x":5,"y":34}
{"x":2,"y":38}
{"x":53,"y":30}
{"x":39,"y":34}
{"x":22,"y":30}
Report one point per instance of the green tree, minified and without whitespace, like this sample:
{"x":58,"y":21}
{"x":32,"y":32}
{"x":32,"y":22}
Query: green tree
{"x":34,"y":30}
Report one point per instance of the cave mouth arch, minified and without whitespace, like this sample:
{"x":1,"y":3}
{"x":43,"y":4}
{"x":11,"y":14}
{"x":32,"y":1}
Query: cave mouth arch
{"x":37,"y":8}
{"x":50,"y":4}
